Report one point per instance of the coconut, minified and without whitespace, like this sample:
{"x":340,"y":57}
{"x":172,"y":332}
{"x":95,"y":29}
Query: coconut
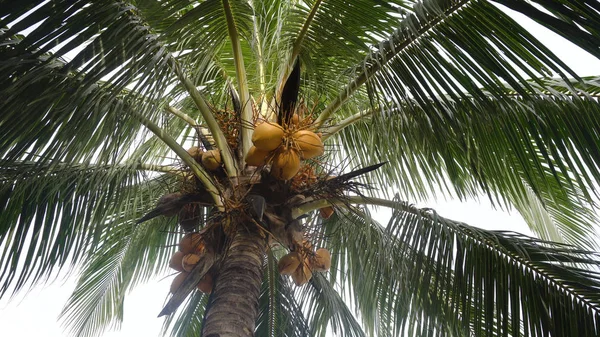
{"x":286,"y":164}
{"x":256,"y":157}
{"x":302,"y":274}
{"x":175,"y":261}
{"x":267,"y":136}
{"x":196,"y":153}
{"x":211,"y":159}
{"x":189,"y":261}
{"x":309,"y":143}
{"x":289,"y":263}
{"x":206,"y":284}
{"x":191,"y":243}
{"x":322,"y":260}
{"x":326,"y":212}
{"x":177,"y":281}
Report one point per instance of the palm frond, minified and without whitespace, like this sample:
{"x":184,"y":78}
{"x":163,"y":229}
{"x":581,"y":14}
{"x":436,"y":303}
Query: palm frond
{"x":128,"y":255}
{"x":79,"y":198}
{"x":436,"y":277}
{"x":576,"y":21}
{"x":280,"y":313}
{"x":542,"y":144}
{"x":452,"y":48}
{"x":326,"y":308}
{"x":116,"y":42}
{"x":187,"y":320}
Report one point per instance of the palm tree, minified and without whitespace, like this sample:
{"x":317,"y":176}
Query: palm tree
{"x":101,"y":99}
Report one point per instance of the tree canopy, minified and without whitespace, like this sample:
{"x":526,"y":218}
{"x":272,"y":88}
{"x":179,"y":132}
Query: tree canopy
{"x":101,"y":99}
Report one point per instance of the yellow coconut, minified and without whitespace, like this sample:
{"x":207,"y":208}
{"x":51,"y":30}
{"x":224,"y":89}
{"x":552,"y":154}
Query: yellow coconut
{"x":206,"y":284}
{"x":321,"y":261}
{"x":189,"y":261}
{"x":326,"y":212}
{"x":286,"y":164}
{"x":267,"y":136}
{"x":211,"y":159}
{"x":175,"y":261}
{"x":256,"y":157}
{"x":289,"y":263}
{"x":177,"y":281}
{"x":309,"y":143}
{"x":191,"y":243}
{"x":302,"y":274}
{"x":196,"y":153}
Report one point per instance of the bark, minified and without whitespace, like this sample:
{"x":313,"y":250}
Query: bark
{"x":234,"y":308}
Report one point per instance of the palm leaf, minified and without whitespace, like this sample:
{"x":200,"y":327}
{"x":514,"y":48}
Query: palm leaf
{"x":187,"y":320}
{"x":79,"y":197}
{"x":504,"y":150}
{"x":280,"y":313}
{"x":495,"y":282}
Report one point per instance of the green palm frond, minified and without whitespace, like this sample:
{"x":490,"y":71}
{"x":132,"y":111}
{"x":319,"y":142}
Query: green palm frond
{"x":280,"y":313}
{"x":430,"y":269}
{"x":543,"y":144}
{"x":128,"y":255}
{"x":574,"y":20}
{"x":79,"y":198}
{"x":453,"y":48}
{"x":187,"y":321}
{"x":117,"y":42}
{"x":326,"y":308}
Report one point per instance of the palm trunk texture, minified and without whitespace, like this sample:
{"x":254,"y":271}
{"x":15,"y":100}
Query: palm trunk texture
{"x":234,"y":306}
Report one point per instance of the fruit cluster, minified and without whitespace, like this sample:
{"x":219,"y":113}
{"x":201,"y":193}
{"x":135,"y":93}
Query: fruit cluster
{"x":283,"y":147}
{"x":301,"y":263}
{"x":191,"y":249}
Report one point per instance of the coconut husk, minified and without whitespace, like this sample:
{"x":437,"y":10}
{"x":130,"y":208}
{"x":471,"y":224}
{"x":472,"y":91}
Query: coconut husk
{"x":288,"y":264}
{"x":302,"y":274}
{"x":175,"y":261}
{"x":321,"y":261}
{"x":267,"y":136}
{"x":177,"y":281}
{"x":191,"y":243}
{"x":189,"y":261}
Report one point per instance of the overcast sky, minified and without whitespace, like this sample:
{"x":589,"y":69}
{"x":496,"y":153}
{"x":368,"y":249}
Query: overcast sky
{"x":35,"y":313}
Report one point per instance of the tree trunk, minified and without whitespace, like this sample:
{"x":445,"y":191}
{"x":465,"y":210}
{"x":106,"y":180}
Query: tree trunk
{"x":234,"y":307}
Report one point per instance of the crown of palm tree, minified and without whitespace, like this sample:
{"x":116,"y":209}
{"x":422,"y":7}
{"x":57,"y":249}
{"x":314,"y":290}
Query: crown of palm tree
{"x":100,"y":100}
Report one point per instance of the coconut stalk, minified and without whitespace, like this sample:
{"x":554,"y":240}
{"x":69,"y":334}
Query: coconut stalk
{"x":313,"y":205}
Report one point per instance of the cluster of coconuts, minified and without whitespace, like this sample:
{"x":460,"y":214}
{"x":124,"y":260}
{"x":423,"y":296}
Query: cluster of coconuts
{"x":191,"y":249}
{"x":211,"y":159}
{"x":301,"y":264}
{"x":283,"y":147}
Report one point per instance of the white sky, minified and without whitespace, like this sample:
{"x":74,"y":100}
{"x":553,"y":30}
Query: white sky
{"x":35,"y":313}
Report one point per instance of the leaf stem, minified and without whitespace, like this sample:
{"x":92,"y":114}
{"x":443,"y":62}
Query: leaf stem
{"x":178,"y":113}
{"x":339,"y":126}
{"x":185,"y":157}
{"x":211,"y":122}
{"x":240,"y":70}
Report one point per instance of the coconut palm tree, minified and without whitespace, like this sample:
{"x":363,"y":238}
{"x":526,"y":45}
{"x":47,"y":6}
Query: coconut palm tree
{"x":244,"y":142}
